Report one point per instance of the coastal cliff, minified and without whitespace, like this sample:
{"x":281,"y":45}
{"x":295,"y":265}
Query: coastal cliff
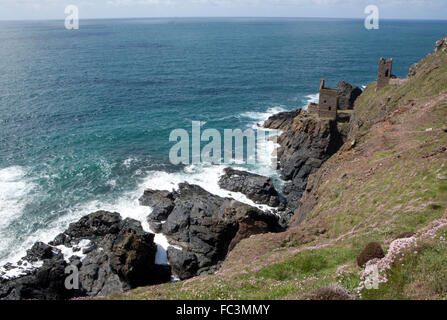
{"x":382,"y":196}
{"x":305,"y":144}
{"x":368,"y":193}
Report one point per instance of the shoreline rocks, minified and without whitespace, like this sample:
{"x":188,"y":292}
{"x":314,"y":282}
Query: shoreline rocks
{"x":258,"y":188}
{"x":202,"y":226}
{"x":282,"y":121}
{"x":119,"y":256}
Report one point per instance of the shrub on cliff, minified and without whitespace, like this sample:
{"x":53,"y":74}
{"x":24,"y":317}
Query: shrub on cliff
{"x":373,"y":250}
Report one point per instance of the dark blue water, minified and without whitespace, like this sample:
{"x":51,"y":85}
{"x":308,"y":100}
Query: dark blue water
{"x":85,"y":115}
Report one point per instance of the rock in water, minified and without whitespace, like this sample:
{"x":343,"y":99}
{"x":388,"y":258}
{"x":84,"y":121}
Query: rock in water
{"x":119,"y":256}
{"x":45,"y":282}
{"x":258,"y":188}
{"x":282,"y":121}
{"x":161,"y":203}
{"x":203,"y":225}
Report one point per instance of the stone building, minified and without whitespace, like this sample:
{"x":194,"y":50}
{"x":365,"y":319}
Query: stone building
{"x":312,"y":107}
{"x":328,"y":102}
{"x":384,"y":74}
{"x":335,"y":102}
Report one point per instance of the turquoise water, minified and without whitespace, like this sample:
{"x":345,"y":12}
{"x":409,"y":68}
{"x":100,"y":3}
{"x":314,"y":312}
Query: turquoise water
{"x":85,"y":115}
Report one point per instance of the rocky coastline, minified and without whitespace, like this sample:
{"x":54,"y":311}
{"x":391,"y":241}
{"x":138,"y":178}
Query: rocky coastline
{"x":347,"y":211}
{"x":112,"y":254}
{"x":109,"y":253}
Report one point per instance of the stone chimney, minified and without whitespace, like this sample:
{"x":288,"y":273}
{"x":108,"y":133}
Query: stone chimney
{"x":322,"y":84}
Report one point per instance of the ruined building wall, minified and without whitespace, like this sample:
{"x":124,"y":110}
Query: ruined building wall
{"x":312,"y":107}
{"x":384,"y":72}
{"x":328,"y":103}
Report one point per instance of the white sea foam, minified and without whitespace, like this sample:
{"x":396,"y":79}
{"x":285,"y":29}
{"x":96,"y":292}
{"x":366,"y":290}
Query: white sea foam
{"x":204,"y":176}
{"x":314,"y":98}
{"x":17,"y":271}
{"x":13,"y":194}
{"x":162,"y":248}
{"x":69,"y":252}
{"x":260,"y":117}
{"x":128,"y":162}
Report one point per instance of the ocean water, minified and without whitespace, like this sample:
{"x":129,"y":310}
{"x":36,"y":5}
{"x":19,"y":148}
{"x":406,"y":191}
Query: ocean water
{"x":85,"y":115}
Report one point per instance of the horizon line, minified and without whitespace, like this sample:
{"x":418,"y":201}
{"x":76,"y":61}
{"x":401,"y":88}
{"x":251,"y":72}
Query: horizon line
{"x":227,"y":17}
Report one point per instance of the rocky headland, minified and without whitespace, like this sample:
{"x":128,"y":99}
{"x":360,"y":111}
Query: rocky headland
{"x":366,"y":189}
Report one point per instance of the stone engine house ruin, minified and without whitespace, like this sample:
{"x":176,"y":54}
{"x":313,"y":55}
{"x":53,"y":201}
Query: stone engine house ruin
{"x":384,"y":75}
{"x":328,"y":103}
{"x":334,"y":104}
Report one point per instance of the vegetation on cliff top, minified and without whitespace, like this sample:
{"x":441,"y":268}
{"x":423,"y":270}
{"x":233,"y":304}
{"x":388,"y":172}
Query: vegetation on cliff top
{"x":390,"y":177}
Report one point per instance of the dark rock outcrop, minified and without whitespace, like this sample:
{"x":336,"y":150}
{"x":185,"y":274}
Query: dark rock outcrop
{"x":441,"y":45}
{"x":203,"y":225}
{"x":184,"y":263}
{"x":44,"y":282}
{"x":347,"y":95}
{"x":39,"y":251}
{"x":306,"y":143}
{"x":161,"y":203}
{"x":118,"y":256}
{"x":282,"y":121}
{"x":121,"y":250}
{"x":258,"y":188}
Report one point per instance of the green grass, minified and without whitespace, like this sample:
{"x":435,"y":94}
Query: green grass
{"x":383,"y":154}
{"x":313,"y":262}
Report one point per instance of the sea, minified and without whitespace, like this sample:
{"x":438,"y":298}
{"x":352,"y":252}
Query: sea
{"x":86,"y":115}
